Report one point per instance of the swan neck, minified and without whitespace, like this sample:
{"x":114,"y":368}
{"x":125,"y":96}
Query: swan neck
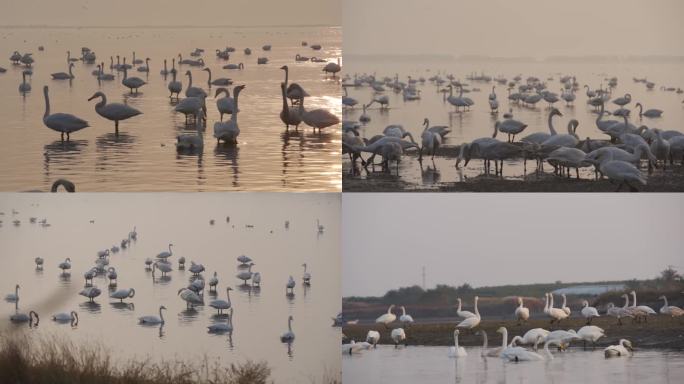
{"x":47,"y":104}
{"x":551,"y":129}
{"x":504,"y":340}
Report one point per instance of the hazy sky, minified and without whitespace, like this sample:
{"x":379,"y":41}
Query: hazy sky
{"x":513,"y":28}
{"x":170,"y":12}
{"x":495,"y":239}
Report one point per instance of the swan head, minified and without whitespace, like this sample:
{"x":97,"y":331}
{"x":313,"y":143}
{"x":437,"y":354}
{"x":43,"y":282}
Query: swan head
{"x":627,"y":344}
{"x":96,"y":95}
{"x":284,"y":68}
{"x":456,"y":332}
{"x":556,"y":112}
{"x":220,"y":90}
{"x":501,"y":330}
{"x":207,"y":69}
{"x":426,"y":122}
{"x":238,"y":89}
{"x":661,"y":297}
{"x":187,"y":73}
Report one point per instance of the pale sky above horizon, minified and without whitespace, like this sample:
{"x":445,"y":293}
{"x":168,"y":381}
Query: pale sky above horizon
{"x":535,"y":28}
{"x":496,"y":239}
{"x":170,"y":12}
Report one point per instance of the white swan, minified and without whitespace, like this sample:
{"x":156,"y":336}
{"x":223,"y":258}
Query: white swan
{"x":540,"y":137}
{"x":131,"y":82}
{"x":373,"y":337}
{"x":174,"y":86}
{"x":193,"y":91}
{"x":649,"y":112}
{"x":122,"y":294}
{"x":471,"y":322}
{"x":556,"y":314}
{"x":190,"y":297}
{"x":531,"y":336}
{"x":153,"y":319}
{"x":588,"y":312}
{"x":220,"y":81}
{"x":461,"y":313}
{"x":24,"y":86}
{"x":225,"y":105}
{"x":660,"y":147}
{"x":221,"y":305}
{"x":288,"y":336}
{"x":91,"y":293}
{"x":213,"y":282}
{"x":113,"y":111}
{"x":23,"y":318}
{"x":289,"y":115}
{"x":456,"y":350}
{"x":590,"y":333}
{"x":293,"y":91}
{"x":63,"y":75}
{"x":670,"y":310}
{"x":398,"y":335}
{"x":564,"y":306}
{"x":66,"y":317}
{"x":164,"y":266}
{"x":13,"y":297}
{"x":522,"y":313}
{"x":620,"y":171}
{"x":229,"y":131}
{"x":644,"y":308}
{"x":332,"y":68}
{"x":223,"y":327}
{"x":66,"y":264}
{"x":146,"y":67}
{"x":404,"y":318}
{"x":317,"y":118}
{"x":517,"y":354}
{"x":61,"y":122}
{"x":493,"y":352}
{"x":388,"y":317}
{"x":290,"y":285}
{"x":192,"y":106}
{"x":623,"y":349}
{"x":165,"y":254}
{"x":511,"y":127}
{"x":246,"y":275}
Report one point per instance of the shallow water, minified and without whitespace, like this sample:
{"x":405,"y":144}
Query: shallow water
{"x":479,"y":122}
{"x":143,"y":157}
{"x":432,"y":365}
{"x":260,"y":315}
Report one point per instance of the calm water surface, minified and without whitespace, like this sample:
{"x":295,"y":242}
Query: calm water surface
{"x":432,"y":365}
{"x":479,"y":122}
{"x":143,"y":157}
{"x":260,"y":315}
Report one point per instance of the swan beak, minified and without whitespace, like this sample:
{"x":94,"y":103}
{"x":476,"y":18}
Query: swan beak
{"x":91,"y":97}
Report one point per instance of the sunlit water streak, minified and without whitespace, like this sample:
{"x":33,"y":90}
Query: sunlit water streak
{"x":260,"y":315}
{"x":432,"y":365}
{"x":479,"y":122}
{"x":143,"y":157}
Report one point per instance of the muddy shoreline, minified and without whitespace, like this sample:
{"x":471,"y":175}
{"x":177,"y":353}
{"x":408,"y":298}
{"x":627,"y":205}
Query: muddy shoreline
{"x":660,"y":332}
{"x":669,"y":180}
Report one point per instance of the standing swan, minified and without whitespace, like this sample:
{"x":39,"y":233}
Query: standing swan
{"x":588,"y":312}
{"x":288,"y":336}
{"x":670,"y":310}
{"x":463,"y":314}
{"x":471,"y":322}
{"x":225,"y":105}
{"x":113,"y":111}
{"x":122,"y":294}
{"x":153,"y":319}
{"x":229,"y":131}
{"x":521,"y":313}
{"x":318,"y":118}
{"x":388,"y":317}
{"x":61,"y":122}
{"x":221,"y":305}
{"x":294,"y":91}
{"x":289,"y":115}
{"x":456,"y":350}
{"x":131,"y":82}
{"x":175,"y":86}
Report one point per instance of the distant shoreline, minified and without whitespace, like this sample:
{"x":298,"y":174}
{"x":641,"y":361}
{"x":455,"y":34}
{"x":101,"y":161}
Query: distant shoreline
{"x":518,"y":59}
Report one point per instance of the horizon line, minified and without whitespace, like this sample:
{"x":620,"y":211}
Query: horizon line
{"x":24,"y":26}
